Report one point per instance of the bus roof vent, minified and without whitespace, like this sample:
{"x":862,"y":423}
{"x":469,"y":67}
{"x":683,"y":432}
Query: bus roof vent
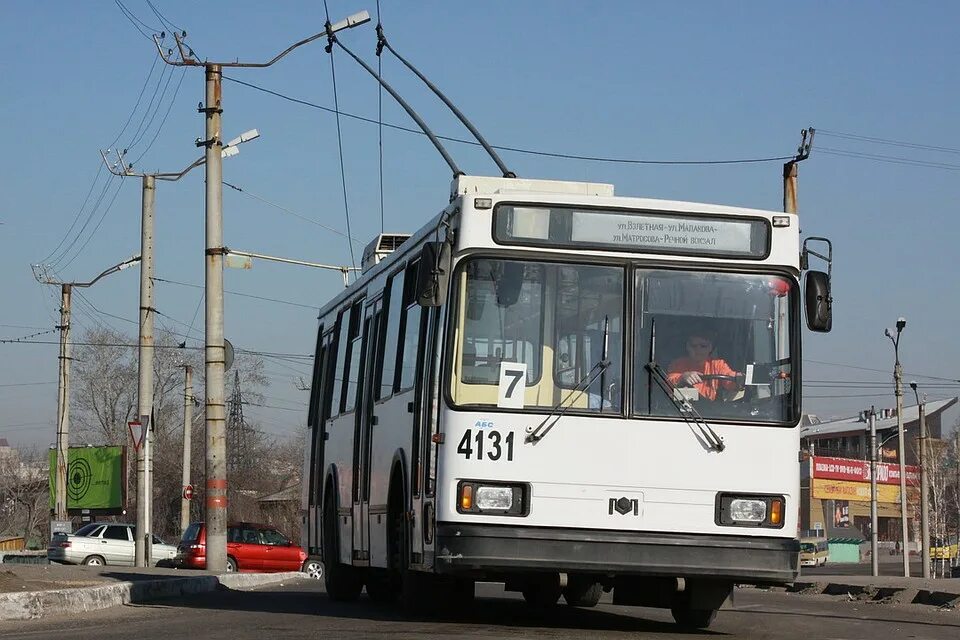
{"x":379,"y":248}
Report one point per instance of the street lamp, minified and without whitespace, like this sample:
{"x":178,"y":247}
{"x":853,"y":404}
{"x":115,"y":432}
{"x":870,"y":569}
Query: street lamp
{"x":898,"y":379}
{"x":61,"y":514}
{"x":924,"y":488}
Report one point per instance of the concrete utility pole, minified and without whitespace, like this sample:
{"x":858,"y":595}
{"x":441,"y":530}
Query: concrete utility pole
{"x":898,"y":379}
{"x":874,"y":547}
{"x":187,"y":428}
{"x":61,"y":513}
{"x":214,"y":356}
{"x":63,"y":406}
{"x":143,"y":545}
{"x":924,"y":484}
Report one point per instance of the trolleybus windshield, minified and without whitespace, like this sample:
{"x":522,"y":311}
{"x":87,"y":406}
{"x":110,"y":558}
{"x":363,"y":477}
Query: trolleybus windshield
{"x":528,"y":336}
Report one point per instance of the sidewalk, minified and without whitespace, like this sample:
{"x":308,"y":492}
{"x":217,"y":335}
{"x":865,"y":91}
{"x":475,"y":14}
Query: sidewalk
{"x":942,"y":592}
{"x":30,"y":591}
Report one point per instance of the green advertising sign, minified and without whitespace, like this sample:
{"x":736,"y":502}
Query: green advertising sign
{"x":96,"y":478}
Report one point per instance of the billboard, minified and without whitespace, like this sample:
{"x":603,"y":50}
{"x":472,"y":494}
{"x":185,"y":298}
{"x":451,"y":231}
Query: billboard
{"x":856,"y":491}
{"x":96,"y":479}
{"x":859,"y":471}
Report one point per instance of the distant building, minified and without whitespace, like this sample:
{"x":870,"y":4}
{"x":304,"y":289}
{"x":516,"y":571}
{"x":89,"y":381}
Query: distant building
{"x":835,"y":472}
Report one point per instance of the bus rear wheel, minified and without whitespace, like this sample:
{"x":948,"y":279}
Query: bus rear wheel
{"x":343,"y":582}
{"x":581,"y":593}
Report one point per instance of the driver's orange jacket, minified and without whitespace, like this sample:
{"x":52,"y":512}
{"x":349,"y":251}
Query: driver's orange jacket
{"x":710,"y":366}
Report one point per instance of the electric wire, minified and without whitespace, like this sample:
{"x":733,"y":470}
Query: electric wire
{"x":155,"y":102}
{"x":96,"y":228}
{"x":343,"y":173}
{"x":242,"y":295}
{"x":889,"y":159}
{"x":887,"y":141}
{"x":163,"y":20}
{"x":291,"y":212}
{"x":166,"y":115}
{"x":60,"y":255}
{"x":534,"y":152}
{"x":380,"y":116}
{"x":135,"y":21}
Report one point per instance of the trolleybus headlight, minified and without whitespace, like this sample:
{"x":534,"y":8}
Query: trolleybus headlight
{"x":748,"y":510}
{"x":735,"y":510}
{"x":500,"y":498}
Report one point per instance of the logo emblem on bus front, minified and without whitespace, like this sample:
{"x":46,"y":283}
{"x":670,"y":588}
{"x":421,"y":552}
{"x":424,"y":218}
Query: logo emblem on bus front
{"x":624,"y":505}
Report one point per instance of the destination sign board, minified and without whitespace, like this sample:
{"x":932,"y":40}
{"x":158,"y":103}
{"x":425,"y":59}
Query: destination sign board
{"x":633,"y":231}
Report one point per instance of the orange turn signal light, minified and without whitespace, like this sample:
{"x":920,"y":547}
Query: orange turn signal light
{"x":466,"y":497}
{"x":776,"y":511}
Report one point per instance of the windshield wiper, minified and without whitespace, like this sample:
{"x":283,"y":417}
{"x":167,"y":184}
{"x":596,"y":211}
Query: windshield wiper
{"x":683,"y":406}
{"x":535,"y":434}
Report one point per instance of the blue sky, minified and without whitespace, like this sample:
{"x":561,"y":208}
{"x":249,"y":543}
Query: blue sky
{"x":659,"y":81}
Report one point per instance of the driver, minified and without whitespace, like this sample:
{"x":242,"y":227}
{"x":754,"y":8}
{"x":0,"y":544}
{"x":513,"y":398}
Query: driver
{"x":698,"y":367}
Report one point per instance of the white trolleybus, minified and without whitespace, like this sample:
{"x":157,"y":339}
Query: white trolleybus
{"x":568,"y":392}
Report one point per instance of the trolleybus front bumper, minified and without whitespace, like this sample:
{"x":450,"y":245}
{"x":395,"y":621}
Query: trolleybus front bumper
{"x":506,"y":549}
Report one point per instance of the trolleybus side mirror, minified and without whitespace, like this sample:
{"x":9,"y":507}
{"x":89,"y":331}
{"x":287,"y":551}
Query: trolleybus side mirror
{"x":434,"y":274}
{"x":819,"y":303}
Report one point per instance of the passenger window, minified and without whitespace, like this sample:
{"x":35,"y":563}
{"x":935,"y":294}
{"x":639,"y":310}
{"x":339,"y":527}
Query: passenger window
{"x":233,"y":535}
{"x":352,"y":381}
{"x":117,"y":533}
{"x":340,"y":364}
{"x":272,"y":536}
{"x":251,"y":536}
{"x":394,"y":307}
{"x":411,"y":329}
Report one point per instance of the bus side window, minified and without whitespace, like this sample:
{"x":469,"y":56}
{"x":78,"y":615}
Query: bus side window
{"x":393,"y":305}
{"x":351,"y":380}
{"x":340,"y":364}
{"x":410,"y":327}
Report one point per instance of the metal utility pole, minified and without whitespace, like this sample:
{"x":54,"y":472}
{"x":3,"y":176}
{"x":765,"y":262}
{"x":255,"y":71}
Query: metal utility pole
{"x":924,"y":484}
{"x":186,"y":496}
{"x":63,"y":405}
{"x":63,"y":384}
{"x":214,"y":355}
{"x":790,"y":171}
{"x":898,"y":379}
{"x":874,"y":560}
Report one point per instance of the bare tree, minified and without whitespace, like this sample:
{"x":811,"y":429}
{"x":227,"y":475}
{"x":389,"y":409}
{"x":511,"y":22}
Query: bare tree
{"x":24,"y":494}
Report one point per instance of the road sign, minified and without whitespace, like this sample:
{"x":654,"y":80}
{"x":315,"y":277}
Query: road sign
{"x":136,"y":433}
{"x":188,"y":492}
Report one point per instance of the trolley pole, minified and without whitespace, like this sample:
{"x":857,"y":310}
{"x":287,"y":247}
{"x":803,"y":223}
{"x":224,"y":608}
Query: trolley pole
{"x":187,"y":428}
{"x":63,"y":405}
{"x":874,"y":559}
{"x":790,"y":170}
{"x":142,"y":546}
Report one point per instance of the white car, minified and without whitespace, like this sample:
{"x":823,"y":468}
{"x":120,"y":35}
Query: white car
{"x":100,"y":543}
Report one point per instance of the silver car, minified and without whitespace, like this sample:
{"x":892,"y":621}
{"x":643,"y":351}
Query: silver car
{"x":100,"y":543}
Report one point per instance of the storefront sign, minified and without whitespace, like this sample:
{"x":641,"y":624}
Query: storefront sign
{"x":859,"y":471}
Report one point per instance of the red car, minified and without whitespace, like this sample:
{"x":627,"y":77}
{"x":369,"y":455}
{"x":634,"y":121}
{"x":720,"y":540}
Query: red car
{"x":250,"y":547}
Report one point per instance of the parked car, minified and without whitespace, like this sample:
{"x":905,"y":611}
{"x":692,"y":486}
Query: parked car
{"x":100,"y":543}
{"x":250,"y":547}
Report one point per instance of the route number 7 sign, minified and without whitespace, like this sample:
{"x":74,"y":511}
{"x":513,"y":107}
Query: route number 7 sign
{"x":512,"y":386}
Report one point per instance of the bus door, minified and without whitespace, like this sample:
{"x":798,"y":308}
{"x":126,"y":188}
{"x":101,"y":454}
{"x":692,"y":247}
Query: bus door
{"x":426,"y":413}
{"x":363,"y":434}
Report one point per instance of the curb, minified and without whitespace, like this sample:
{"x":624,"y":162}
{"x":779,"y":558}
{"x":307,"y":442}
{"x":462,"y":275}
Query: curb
{"x":37,"y":604}
{"x":877,"y":593}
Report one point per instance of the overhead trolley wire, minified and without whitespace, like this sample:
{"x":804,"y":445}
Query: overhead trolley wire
{"x":566,"y":156}
{"x":343,"y":173}
{"x":135,"y":21}
{"x":380,"y":114}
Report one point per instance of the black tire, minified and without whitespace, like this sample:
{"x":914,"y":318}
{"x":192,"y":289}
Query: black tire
{"x":691,"y":619}
{"x":583,"y":594}
{"x":541,"y":596}
{"x":231,"y":565}
{"x":343,"y":582}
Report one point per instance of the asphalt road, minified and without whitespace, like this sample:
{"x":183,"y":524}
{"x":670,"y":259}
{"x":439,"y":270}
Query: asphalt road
{"x":302,"y":610}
